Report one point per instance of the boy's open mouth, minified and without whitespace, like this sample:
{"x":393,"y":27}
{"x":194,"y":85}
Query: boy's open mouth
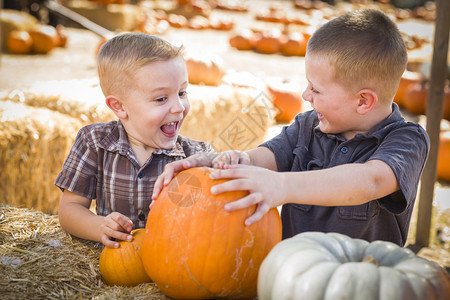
{"x":170,"y":129}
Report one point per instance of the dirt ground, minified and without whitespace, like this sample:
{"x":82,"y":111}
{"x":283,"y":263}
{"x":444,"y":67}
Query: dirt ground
{"x":77,"y":61}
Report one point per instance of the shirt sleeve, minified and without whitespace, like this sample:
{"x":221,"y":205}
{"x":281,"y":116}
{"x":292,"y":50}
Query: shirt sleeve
{"x":295,"y":136}
{"x":405,"y":150}
{"x":80,"y":169}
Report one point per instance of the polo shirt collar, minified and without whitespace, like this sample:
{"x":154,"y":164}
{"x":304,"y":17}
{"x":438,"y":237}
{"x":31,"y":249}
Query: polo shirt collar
{"x":117,"y":141}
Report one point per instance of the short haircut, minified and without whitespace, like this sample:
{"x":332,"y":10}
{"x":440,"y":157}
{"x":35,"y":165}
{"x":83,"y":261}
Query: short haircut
{"x":365,"y":49}
{"x":120,"y":57}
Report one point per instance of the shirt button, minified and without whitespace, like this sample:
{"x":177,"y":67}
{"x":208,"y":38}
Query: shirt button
{"x":344,"y":150}
{"x":141,"y":216}
{"x":141,"y":175}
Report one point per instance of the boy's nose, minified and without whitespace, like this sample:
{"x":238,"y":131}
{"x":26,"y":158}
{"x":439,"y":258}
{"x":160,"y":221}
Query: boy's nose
{"x":306,"y":95}
{"x":177,"y":106}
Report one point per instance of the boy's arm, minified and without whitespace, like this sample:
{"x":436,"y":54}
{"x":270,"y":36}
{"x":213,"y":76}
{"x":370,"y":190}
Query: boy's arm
{"x":76,"y":218}
{"x":349,"y":184}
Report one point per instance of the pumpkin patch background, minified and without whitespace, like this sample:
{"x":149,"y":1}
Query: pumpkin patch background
{"x":252,"y":51}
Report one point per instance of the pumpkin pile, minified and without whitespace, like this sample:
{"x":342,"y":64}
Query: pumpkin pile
{"x":316,"y":266}
{"x":24,"y":35}
{"x":272,"y":41}
{"x":192,"y":248}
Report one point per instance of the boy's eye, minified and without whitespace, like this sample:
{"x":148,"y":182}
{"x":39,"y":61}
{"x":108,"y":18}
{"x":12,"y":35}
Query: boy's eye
{"x":161,"y":99}
{"x":314,"y":90}
{"x":182,"y":93}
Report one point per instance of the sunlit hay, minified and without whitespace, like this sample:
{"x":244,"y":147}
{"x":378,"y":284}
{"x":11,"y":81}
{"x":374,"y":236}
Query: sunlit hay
{"x":229,"y":117}
{"x":78,"y":98}
{"x":33,"y":145}
{"x":38,"y":260}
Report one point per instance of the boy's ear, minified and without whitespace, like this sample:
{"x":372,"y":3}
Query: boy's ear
{"x":116,"y":105}
{"x":367,"y":99}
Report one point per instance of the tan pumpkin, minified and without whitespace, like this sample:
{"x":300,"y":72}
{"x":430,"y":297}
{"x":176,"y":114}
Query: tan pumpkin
{"x":194,"y":249}
{"x":123,"y":266}
{"x":328,"y":266}
{"x":443,"y":162}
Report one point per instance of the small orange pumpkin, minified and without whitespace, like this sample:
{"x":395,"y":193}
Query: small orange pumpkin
{"x":286,"y":98}
{"x":268,"y":42}
{"x":294,"y":44}
{"x":204,"y":69}
{"x":443,"y":163}
{"x":194,"y":249}
{"x":408,"y":78}
{"x":45,"y":38}
{"x":415,"y":100}
{"x":123,"y":266}
{"x":19,"y":42}
{"x":242,"y":40}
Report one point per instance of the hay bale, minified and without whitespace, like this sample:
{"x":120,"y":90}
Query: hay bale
{"x":33,"y":145}
{"x":228,"y":117}
{"x":78,"y":98}
{"x":38,"y":260}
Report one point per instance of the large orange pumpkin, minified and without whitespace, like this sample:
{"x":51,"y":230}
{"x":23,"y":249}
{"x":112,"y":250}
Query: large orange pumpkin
{"x":204,"y":69}
{"x":45,"y":38}
{"x":194,"y":249}
{"x":294,"y":44}
{"x":443,"y":163}
{"x":123,"y":266}
{"x":416,"y":99}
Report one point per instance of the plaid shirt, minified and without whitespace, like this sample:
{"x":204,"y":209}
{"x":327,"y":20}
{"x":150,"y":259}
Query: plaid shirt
{"x":101,"y":165}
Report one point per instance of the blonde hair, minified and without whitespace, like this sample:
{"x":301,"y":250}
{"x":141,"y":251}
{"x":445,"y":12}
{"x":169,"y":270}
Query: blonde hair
{"x":120,"y":57}
{"x":365,"y":49}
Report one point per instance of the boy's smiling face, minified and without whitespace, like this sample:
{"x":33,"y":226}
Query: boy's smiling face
{"x":156,"y":104}
{"x":334,"y":103}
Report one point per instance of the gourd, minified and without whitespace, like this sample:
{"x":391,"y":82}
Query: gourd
{"x":315,"y":265}
{"x":443,"y":163}
{"x":123,"y":266}
{"x":194,"y":249}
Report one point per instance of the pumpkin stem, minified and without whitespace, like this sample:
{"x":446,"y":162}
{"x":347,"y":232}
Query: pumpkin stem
{"x":370,"y":259}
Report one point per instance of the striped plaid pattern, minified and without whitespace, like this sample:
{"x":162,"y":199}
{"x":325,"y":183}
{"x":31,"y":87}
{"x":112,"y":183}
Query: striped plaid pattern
{"x":101,"y":165}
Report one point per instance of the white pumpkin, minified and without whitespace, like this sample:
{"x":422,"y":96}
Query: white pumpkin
{"x":316,"y":265}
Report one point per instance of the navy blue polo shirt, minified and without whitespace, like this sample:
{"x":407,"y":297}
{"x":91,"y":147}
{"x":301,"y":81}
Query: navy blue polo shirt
{"x":402,"y":145}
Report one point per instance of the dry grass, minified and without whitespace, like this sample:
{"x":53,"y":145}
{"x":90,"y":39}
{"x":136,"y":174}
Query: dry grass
{"x":38,"y":260}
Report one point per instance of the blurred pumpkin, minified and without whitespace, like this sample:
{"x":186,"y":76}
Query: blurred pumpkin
{"x":294,"y":44}
{"x":45,"y":38}
{"x":268,"y":42}
{"x":204,"y":69}
{"x":198,"y":22}
{"x":443,"y":162}
{"x":408,"y":78}
{"x":241,"y":40}
{"x":123,"y":266}
{"x":19,"y":42}
{"x":195,"y":249}
{"x":317,"y":265}
{"x":286,"y":98}
{"x":416,"y":99}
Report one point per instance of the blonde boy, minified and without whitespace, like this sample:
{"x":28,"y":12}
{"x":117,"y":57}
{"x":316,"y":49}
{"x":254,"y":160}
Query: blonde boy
{"x":351,"y":165}
{"x":144,"y":80}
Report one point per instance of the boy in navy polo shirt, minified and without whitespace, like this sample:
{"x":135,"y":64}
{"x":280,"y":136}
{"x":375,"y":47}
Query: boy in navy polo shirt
{"x":351,"y":165}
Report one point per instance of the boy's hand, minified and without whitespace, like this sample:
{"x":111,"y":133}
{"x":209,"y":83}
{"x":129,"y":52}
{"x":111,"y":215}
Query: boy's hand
{"x":232,"y":157}
{"x":115,"y":226}
{"x":173,"y":168}
{"x":265,"y":188}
